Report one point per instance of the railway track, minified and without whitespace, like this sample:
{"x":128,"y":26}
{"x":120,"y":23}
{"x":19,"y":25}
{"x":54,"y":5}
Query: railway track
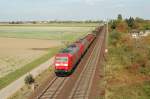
{"x":54,"y":87}
{"x":77,"y":86}
{"x":81,"y":89}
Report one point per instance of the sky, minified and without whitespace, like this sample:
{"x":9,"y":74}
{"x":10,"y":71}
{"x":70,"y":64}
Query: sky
{"x":29,"y":10}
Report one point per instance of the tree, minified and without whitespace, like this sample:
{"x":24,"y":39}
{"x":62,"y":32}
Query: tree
{"x":119,"y":17}
{"x":130,"y":22}
{"x":122,"y":27}
{"x":113,"y":24}
{"x":34,"y":22}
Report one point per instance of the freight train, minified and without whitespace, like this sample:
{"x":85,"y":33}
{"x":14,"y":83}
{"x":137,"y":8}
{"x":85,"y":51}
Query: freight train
{"x":67,"y":59}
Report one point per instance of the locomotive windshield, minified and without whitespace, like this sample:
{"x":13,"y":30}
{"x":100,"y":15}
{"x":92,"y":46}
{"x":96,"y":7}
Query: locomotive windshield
{"x":61,"y":59}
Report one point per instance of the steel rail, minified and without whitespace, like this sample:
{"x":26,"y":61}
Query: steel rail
{"x":75,"y":92}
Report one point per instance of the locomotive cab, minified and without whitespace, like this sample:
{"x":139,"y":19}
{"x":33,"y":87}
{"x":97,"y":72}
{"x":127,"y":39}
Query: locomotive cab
{"x":61,"y":63}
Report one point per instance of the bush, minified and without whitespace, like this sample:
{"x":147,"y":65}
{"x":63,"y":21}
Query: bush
{"x":146,"y":88}
{"x":29,"y":79}
{"x":114,"y":38}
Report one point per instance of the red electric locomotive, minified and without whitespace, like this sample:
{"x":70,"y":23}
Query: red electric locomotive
{"x":67,"y":58}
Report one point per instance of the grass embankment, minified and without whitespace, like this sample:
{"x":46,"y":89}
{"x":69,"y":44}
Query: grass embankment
{"x":26,"y":91}
{"x":128,"y":67}
{"x":4,"y":81}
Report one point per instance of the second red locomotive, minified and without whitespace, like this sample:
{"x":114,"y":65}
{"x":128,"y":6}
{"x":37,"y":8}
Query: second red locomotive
{"x":67,"y":58}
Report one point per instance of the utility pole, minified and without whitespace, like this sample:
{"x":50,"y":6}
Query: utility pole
{"x":106,"y":46}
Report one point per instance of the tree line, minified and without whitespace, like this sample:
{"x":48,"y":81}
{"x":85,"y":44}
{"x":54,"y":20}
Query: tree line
{"x":128,"y":24}
{"x":54,"y":21}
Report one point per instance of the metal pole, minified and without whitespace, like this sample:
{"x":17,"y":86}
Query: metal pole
{"x":106,"y":47}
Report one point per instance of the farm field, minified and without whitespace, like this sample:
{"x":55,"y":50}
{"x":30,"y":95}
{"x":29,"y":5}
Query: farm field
{"x":23,"y":47}
{"x":15,"y":53}
{"x":51,"y":32}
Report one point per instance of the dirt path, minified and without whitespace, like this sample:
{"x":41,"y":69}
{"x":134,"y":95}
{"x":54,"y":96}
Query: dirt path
{"x":16,"y":85}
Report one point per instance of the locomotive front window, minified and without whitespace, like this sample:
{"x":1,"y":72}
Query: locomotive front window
{"x":61,"y":59}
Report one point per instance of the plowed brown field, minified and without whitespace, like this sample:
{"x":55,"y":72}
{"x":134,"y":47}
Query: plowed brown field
{"x":16,"y":52}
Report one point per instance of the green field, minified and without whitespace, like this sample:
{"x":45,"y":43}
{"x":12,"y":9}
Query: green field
{"x":46,"y":31}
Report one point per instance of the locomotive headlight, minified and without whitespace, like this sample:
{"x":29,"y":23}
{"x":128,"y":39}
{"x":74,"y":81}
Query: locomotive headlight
{"x":65,"y":64}
{"x":57,"y":64}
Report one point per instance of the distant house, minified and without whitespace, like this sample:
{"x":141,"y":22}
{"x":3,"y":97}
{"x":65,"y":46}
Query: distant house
{"x":138,"y":34}
{"x":146,"y":32}
{"x":135,"y":34}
